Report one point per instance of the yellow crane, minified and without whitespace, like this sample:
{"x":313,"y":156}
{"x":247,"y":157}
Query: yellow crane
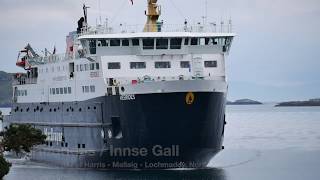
{"x":153,"y":13}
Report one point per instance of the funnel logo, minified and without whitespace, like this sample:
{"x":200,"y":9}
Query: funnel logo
{"x":189,"y":98}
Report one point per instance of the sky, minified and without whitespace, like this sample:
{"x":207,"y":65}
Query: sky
{"x":274,"y":57}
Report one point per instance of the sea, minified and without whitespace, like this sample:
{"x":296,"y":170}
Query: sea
{"x":262,"y":142}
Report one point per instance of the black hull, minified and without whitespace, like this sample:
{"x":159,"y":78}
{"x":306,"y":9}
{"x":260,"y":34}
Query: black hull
{"x":187,"y":135}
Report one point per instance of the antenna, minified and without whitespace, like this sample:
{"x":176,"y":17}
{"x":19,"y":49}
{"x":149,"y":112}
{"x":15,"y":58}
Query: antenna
{"x":85,"y":12}
{"x":206,"y":12}
{"x":99,"y":6}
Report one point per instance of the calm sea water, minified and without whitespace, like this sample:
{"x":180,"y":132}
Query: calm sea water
{"x":261,"y":142}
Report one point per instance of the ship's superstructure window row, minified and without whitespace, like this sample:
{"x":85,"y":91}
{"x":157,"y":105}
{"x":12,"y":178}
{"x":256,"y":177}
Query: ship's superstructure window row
{"x":157,"y":43}
{"x":88,"y":89}
{"x":61,"y":90}
{"x":88,"y":67}
{"x":22,"y":92}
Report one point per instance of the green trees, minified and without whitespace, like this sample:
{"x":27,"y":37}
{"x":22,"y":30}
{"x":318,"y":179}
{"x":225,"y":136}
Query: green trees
{"x":18,"y":138}
{"x":4,"y":167}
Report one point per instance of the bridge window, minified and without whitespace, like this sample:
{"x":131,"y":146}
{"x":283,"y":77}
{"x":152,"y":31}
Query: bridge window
{"x":185,"y":64}
{"x":148,"y":44}
{"x":135,"y":42}
{"x":210,"y":64}
{"x":69,"y":90}
{"x":114,"y":65}
{"x":97,"y":66}
{"x":162,"y":65}
{"x":175,"y":43}
{"x":137,"y":65}
{"x":92,"y":47}
{"x":186,"y":41}
{"x":162,"y":43}
{"x":65,"y":90}
{"x":57,"y":91}
{"x":125,"y":42}
{"x":53,"y":91}
{"x":115,"y":42}
{"x":61,"y":90}
{"x":86,"y":67}
{"x":194,"y":41}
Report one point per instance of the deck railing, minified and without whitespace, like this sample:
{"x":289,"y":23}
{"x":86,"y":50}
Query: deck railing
{"x":122,"y":28}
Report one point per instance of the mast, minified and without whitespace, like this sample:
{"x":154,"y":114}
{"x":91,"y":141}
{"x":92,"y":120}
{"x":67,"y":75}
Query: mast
{"x":153,"y":13}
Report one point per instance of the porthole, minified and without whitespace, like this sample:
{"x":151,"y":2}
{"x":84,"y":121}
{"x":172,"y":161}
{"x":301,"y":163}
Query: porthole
{"x":34,"y":110}
{"x":50,"y":110}
{"x":28,"y":109}
{"x":21,"y":110}
{"x":94,"y":108}
{"x":67,"y":110}
{"x":41,"y":109}
{"x":122,"y":89}
{"x":54,"y":109}
{"x":80,"y":109}
{"x":72,"y":109}
{"x":88,"y":107}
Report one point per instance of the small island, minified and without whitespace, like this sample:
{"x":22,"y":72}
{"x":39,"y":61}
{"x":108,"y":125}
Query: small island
{"x":310,"y":102}
{"x":244,"y":102}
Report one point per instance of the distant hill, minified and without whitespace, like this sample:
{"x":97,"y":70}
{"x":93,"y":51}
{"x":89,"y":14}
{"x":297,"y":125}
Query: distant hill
{"x":5,"y":89}
{"x":244,"y":102}
{"x":311,"y":102}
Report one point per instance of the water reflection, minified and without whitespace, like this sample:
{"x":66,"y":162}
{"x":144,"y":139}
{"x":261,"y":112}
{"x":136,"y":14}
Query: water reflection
{"x":48,"y":174}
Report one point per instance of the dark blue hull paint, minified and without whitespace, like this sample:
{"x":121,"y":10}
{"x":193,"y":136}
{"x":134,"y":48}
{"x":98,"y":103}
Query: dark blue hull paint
{"x":149,"y":121}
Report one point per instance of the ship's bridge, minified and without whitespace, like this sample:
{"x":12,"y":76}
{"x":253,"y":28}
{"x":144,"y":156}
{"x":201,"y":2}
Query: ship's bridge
{"x":157,"y":43}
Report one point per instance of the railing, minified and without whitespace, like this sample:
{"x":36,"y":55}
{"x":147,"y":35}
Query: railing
{"x":213,"y":28}
{"x":49,"y":59}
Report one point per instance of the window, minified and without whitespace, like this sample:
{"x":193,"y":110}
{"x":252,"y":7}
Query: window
{"x":65,"y":90}
{"x":162,"y":43}
{"x":148,"y":44}
{"x":53,"y":91}
{"x":92,"y":66}
{"x":135,"y":42}
{"x":83,"y":146}
{"x":83,"y":89}
{"x":185,"y":64}
{"x":86,"y":89}
{"x":194,"y":41}
{"x":69,"y":90}
{"x":125,"y":42}
{"x":114,"y":65}
{"x":61,"y":90}
{"x":97,"y":66}
{"x":137,"y":65}
{"x":26,"y":92}
{"x":210,"y":64}
{"x":162,"y":65}
{"x":86,"y":67}
{"x":175,"y":43}
{"x":186,"y":41}
{"x":81,"y":67}
{"x":115,"y":42}
{"x":92,"y":89}
{"x":92,"y":47}
{"x":102,"y":43}
{"x":57,"y":91}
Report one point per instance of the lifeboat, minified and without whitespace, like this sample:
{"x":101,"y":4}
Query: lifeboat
{"x":21,"y":63}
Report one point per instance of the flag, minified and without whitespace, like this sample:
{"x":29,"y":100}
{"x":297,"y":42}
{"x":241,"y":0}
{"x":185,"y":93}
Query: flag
{"x":131,"y":2}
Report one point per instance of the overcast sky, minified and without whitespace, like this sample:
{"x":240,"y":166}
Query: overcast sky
{"x":275,"y":56}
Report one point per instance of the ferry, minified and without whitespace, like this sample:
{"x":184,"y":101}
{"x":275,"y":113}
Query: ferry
{"x":127,"y":97}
